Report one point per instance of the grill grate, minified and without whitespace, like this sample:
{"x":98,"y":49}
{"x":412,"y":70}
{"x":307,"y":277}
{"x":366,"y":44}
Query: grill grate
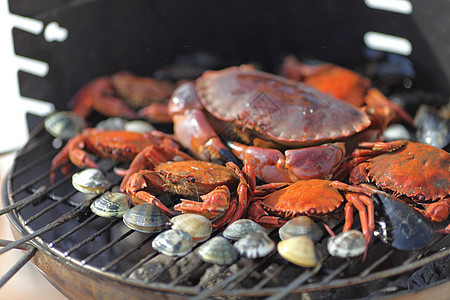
{"x":50,"y":218}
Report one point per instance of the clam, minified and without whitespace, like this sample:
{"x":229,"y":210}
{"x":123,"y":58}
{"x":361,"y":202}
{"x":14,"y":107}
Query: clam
{"x":350,"y":243}
{"x":64,"y":124}
{"x":301,"y":225}
{"x":146,"y":217}
{"x":239,"y":228}
{"x":114,"y":123}
{"x":139,"y":126}
{"x":199,"y":227}
{"x":90,"y":181}
{"x":173,"y":242}
{"x":299,"y":250}
{"x":255,"y":244}
{"x":110,"y":205}
{"x":218,"y":250}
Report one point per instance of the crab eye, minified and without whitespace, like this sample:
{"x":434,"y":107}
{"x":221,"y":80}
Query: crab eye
{"x":420,"y":197}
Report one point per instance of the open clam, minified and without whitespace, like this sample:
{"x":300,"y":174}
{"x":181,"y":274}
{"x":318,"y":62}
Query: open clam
{"x":110,"y":205}
{"x":239,"y":228}
{"x":301,"y":225}
{"x":255,"y":244}
{"x":350,"y":243}
{"x":90,"y":181}
{"x":299,"y":250}
{"x":64,"y":124}
{"x":173,"y":242}
{"x":146,"y":217}
{"x":199,"y":227}
{"x":218,"y":250}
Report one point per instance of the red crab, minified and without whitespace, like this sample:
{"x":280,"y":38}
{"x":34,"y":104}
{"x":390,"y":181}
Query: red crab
{"x":316,"y":198}
{"x":117,"y":145}
{"x":205,"y":181}
{"x":122,"y":94}
{"x":274,"y":114}
{"x":415,"y":172}
{"x":348,"y":86}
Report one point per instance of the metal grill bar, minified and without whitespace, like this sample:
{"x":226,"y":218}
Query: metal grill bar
{"x":72,"y":231}
{"x":17,"y":266}
{"x":106,"y":247}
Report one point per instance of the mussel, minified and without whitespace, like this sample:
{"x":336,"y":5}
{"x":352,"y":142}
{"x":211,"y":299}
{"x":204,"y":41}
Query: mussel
{"x":90,"y":181}
{"x":218,"y":250}
{"x":110,"y":205}
{"x":301,"y":225}
{"x":64,"y":124}
{"x":173,"y":242}
{"x":239,"y":228}
{"x":146,"y":217}
{"x":347,"y":244}
{"x":400,"y":225}
{"x":255,"y":244}
{"x":199,"y":227}
{"x":299,"y":250}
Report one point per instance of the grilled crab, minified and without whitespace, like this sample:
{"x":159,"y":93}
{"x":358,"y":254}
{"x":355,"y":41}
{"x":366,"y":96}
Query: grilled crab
{"x":273,"y":114}
{"x":122,"y":94}
{"x":415,"y":172}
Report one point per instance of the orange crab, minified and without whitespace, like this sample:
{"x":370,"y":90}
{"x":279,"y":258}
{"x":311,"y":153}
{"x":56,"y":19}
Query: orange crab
{"x":200,"y":180}
{"x":415,"y":172}
{"x":117,"y":145}
{"x":316,"y":198}
{"x":273,"y":114}
{"x":348,"y":86}
{"x":122,"y":94}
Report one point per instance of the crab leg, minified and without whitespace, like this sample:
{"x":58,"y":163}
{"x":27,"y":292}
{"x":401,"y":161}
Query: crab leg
{"x":149,"y":198}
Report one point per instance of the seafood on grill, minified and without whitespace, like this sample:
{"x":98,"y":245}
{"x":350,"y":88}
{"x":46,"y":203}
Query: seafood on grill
{"x":173,"y":242}
{"x":122,"y":94}
{"x":315,"y":198}
{"x":199,"y":180}
{"x":301,"y":225}
{"x":291,"y":131}
{"x":299,"y":250}
{"x":117,"y":145}
{"x":348,"y":86}
{"x":218,"y":250}
{"x":199,"y":227}
{"x":90,"y":181}
{"x":346,"y":244}
{"x":111,"y":205}
{"x":414,"y":172}
{"x":255,"y":244}
{"x":145,"y":217}
{"x":241,"y":227}
{"x":64,"y":124}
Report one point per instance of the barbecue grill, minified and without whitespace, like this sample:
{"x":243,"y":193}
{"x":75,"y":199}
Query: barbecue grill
{"x":88,"y":256}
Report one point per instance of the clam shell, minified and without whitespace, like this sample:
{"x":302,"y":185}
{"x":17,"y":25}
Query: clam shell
{"x":110,"y":205}
{"x":241,"y":227}
{"x":146,"y":217}
{"x":218,"y":250}
{"x":64,"y":124}
{"x":90,"y":181}
{"x":114,"y":123}
{"x":199,"y":227}
{"x":255,"y":244}
{"x":299,"y":250}
{"x":350,"y":243}
{"x":139,"y":126}
{"x":173,"y":242}
{"x":301,"y":225}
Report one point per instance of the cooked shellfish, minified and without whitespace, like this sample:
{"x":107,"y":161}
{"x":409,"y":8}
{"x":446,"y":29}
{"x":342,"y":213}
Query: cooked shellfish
{"x":199,"y":227}
{"x":114,"y":123}
{"x":301,"y":225}
{"x":139,"y":126}
{"x":299,"y":250}
{"x":239,"y":228}
{"x":218,"y":250}
{"x":110,"y":205}
{"x":146,"y":217}
{"x":173,"y":242}
{"x":64,"y":124}
{"x":255,"y":244}
{"x":90,"y":181}
{"x":347,"y":244}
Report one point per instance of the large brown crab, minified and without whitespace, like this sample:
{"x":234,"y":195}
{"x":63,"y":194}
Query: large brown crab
{"x":415,"y":172}
{"x":273,"y":114}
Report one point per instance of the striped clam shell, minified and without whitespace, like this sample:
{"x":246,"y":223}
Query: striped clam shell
{"x":146,"y":217}
{"x":173,"y":242}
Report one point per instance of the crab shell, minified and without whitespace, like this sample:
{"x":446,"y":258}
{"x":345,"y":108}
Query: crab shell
{"x":193,"y":178}
{"x":277,"y":109}
{"x":314,"y":198}
{"x":413,"y":170}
